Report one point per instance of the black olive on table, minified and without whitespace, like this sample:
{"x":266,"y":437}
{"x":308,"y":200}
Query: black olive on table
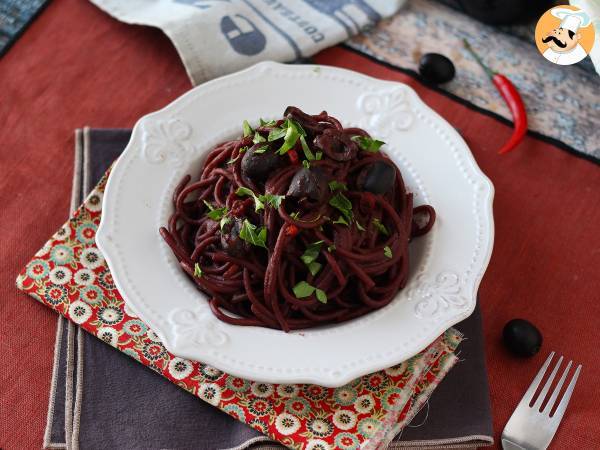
{"x":309,"y":184}
{"x":378,"y":177}
{"x":436,"y":68}
{"x":258,"y":166}
{"x":231,"y":241}
{"x":522,"y":337}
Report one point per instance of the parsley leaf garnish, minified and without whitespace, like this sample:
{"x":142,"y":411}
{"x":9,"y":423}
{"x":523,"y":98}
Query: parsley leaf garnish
{"x":341,"y":220}
{"x":337,"y":186}
{"x":312,"y":252}
{"x":197,"y":271}
{"x":305,"y":164}
{"x":309,"y":155}
{"x":215,"y":213}
{"x":273,"y":199}
{"x":264,"y":123}
{"x":290,"y":131}
{"x":258,"y":138}
{"x":303,"y":290}
{"x":224,"y":221}
{"x":368,"y":144}
{"x":314,"y":267}
{"x":262,"y":149}
{"x":387,"y":252}
{"x":342,"y":204}
{"x":244,"y":191}
{"x":247,"y":128}
{"x":321,"y":295}
{"x":276,"y":133}
{"x":380,"y":227}
{"x":255,"y":236}
{"x":240,"y":151}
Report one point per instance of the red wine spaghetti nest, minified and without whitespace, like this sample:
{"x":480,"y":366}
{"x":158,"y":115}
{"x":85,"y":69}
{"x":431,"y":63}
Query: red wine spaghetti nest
{"x":299,"y":223}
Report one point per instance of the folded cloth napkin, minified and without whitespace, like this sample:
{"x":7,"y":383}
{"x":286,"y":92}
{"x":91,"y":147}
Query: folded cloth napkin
{"x":215,"y":37}
{"x":107,"y":383}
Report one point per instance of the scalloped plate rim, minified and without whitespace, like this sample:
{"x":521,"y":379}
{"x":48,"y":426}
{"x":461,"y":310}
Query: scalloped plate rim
{"x":104,"y":241}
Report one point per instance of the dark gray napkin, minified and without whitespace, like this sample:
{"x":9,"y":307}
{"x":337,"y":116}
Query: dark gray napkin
{"x":101,"y":399}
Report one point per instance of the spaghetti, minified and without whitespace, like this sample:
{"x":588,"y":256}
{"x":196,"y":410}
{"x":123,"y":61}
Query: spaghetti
{"x":298,"y":223}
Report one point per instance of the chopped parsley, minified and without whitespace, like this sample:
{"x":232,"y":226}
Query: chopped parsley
{"x":306,"y":149}
{"x":290,"y":131}
{"x":295,"y":215}
{"x":264,"y":123}
{"x":244,"y":191}
{"x":340,"y":202}
{"x":262,"y":149}
{"x":273,"y":199}
{"x":318,"y":156}
{"x":368,"y":144}
{"x":337,"y":186}
{"x":224,"y":221}
{"x":247,"y":128}
{"x":305,"y":164}
{"x":276,"y":133}
{"x":341,"y":220}
{"x":215,"y":213}
{"x":331,"y":248}
{"x":303,"y":290}
{"x":197,"y":271}
{"x":258,"y":138}
{"x":387,"y":252}
{"x":260,"y":200}
{"x":380,"y":227}
{"x":240,"y":151}
{"x":321,"y":295}
{"x":255,"y":236}
{"x":359,"y":226}
{"x":312,"y":252}
{"x":314,"y":268}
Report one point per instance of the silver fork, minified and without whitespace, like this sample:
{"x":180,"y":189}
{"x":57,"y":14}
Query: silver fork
{"x":529,"y":428}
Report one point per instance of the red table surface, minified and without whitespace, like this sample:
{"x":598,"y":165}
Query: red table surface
{"x":76,"y":66}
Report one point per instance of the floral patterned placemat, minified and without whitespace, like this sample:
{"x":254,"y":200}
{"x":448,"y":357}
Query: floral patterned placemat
{"x":70,"y":275}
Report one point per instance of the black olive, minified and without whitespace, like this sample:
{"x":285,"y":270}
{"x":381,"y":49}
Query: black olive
{"x":378,"y":177}
{"x":336,"y":144}
{"x":309,"y":184}
{"x":258,"y":166}
{"x":436,"y":68}
{"x":522,"y":337}
{"x":231,"y":241}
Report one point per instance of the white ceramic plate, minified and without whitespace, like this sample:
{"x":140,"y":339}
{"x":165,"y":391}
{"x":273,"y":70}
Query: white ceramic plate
{"x":446,"y":265}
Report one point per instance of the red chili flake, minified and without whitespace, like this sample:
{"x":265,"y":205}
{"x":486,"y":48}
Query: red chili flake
{"x":369,"y":199}
{"x":293,"y":157}
{"x":291,"y":230}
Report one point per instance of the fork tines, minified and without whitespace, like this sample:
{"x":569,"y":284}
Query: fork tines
{"x":562,"y":406}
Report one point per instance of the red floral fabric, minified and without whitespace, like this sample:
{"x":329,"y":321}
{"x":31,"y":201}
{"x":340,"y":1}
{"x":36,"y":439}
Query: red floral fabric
{"x":70,"y":275}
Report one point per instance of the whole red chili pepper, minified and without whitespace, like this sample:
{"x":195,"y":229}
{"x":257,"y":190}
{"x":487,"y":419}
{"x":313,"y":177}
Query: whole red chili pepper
{"x":513,"y":100}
